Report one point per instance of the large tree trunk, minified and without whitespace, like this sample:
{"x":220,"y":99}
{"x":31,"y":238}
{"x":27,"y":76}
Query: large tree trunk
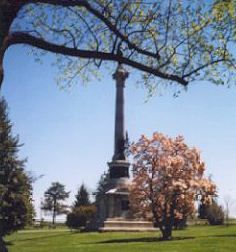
{"x":2,"y":52}
{"x":54,"y":212}
{"x":165,"y":226}
{"x":167,"y":223}
{"x":167,"y":232}
{"x":3,"y":247}
{"x":53,"y":217}
{"x":8,"y":12}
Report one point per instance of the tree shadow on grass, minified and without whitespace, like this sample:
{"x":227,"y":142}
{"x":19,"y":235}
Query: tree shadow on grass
{"x":8,"y":243}
{"x":158,"y":239}
{"x":42,"y":237}
{"x":143,"y":239}
{"x":221,"y":235}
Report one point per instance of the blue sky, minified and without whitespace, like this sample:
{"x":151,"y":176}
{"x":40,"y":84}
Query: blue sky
{"x":68,"y":135}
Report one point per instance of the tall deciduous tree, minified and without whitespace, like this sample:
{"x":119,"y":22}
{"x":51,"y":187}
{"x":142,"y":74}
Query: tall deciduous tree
{"x":167,"y":176}
{"x":54,"y":199}
{"x":16,"y":209}
{"x":176,"y":41}
{"x":228,"y":203}
{"x":82,"y":197}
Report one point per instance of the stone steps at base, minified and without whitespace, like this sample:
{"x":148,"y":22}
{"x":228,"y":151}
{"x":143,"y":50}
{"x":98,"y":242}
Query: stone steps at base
{"x":127,"y":229}
{"x":120,"y":224}
{"x":127,"y":225}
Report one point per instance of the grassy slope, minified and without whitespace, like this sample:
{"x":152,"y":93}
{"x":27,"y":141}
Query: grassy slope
{"x":193,"y":239}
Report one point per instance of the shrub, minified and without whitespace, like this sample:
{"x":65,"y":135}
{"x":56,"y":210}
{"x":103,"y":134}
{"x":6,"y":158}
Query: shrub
{"x":215,"y":214}
{"x":180,"y":223}
{"x":80,"y":216}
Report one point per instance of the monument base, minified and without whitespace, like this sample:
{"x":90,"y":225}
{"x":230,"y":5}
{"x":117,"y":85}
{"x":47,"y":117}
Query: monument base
{"x":114,"y":202}
{"x":113,"y":211}
{"x":126,"y":225}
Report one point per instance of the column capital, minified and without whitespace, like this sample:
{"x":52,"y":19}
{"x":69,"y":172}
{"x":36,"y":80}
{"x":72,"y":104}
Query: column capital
{"x":121,"y":74}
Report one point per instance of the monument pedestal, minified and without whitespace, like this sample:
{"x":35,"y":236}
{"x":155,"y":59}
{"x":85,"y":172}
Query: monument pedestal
{"x":114,"y":203}
{"x":114,"y":213}
{"x":127,"y":225}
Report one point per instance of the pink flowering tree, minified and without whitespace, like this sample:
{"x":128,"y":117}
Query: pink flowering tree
{"x":167,"y":176}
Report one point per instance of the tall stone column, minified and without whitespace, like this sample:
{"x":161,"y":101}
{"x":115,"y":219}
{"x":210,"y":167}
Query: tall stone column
{"x":119,"y":167}
{"x":119,"y":148}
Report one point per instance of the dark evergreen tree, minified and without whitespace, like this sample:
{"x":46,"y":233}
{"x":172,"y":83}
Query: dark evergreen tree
{"x":54,"y":200}
{"x":82,"y":197}
{"x":102,"y":186}
{"x":16,"y":209}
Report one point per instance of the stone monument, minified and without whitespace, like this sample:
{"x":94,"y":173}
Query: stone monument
{"x":113,"y":207}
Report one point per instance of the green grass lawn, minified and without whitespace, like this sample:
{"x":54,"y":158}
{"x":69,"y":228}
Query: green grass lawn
{"x":193,"y":239}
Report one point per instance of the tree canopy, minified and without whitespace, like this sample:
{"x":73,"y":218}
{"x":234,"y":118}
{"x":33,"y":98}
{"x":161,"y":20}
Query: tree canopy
{"x":167,"y":177}
{"x":54,"y":200}
{"x":82,"y":197}
{"x":16,"y":209}
{"x":174,"y":41}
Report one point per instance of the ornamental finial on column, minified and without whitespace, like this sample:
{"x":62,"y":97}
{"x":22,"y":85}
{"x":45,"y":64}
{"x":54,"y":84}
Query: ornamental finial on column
{"x":121,"y":74}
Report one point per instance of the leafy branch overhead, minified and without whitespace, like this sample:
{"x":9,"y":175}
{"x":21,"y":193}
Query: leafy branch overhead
{"x":175,"y":41}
